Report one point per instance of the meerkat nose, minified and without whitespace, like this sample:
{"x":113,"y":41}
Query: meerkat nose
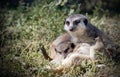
{"x":71,"y":29}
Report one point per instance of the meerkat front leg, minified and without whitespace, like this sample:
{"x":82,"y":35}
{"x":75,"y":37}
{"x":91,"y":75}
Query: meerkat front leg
{"x":98,"y":45}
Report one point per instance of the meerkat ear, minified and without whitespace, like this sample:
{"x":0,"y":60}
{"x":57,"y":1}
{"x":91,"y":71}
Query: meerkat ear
{"x":64,"y":21}
{"x":85,"y":21}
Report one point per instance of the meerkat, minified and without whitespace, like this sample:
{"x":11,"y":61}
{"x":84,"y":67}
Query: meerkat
{"x":79,"y":30}
{"x":82,"y":51}
{"x":82,"y":34}
{"x":59,"y":49}
{"x":62,"y":50}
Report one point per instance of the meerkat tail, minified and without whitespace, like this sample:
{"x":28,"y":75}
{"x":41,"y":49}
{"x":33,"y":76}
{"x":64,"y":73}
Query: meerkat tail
{"x":43,"y":50}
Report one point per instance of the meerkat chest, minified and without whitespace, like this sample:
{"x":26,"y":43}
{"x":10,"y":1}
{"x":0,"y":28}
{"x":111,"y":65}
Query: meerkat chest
{"x":75,"y":40}
{"x":82,"y":39}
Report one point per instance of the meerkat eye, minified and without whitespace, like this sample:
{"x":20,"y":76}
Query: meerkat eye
{"x":55,"y":49}
{"x":85,"y":21}
{"x":67,"y":23}
{"x":60,"y":52}
{"x":66,"y":50}
{"x":76,"y":22}
{"x":72,"y":45}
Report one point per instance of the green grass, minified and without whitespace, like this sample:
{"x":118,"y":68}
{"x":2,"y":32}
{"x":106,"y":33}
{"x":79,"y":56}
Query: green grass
{"x":24,"y":30}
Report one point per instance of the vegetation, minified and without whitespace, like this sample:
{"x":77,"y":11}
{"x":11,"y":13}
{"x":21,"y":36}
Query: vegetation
{"x":24,"y":29}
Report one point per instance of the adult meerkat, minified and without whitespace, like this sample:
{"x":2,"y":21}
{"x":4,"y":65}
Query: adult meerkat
{"x":79,"y":30}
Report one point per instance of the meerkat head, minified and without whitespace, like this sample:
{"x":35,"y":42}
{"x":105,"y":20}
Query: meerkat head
{"x":75,"y":22}
{"x":65,"y":48}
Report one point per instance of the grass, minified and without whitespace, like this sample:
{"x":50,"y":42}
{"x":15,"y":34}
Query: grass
{"x":24,"y":29}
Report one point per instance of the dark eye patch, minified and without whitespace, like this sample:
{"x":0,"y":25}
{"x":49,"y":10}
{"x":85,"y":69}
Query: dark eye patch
{"x":72,"y":45}
{"x":76,"y":22}
{"x":67,"y":23}
{"x":66,"y":50}
{"x":60,"y":52}
{"x":55,"y":49}
{"x":85,"y":21}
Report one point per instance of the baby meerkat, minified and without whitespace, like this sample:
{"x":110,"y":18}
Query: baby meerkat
{"x":62,"y":50}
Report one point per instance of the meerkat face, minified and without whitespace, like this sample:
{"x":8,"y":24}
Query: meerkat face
{"x":75,"y":22}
